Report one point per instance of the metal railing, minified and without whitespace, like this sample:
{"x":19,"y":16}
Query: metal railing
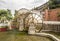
{"x":51,"y":26}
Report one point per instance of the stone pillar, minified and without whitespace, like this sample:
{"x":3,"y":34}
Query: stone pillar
{"x":31,"y":29}
{"x":21,"y":26}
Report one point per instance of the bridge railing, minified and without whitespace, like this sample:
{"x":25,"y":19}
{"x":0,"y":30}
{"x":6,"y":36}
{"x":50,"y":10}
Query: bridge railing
{"x":51,"y":26}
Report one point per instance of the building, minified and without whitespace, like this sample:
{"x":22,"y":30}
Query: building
{"x":51,"y":16}
{"x":51,"y":12}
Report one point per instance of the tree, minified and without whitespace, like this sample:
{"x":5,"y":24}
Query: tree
{"x":9,"y":15}
{"x":54,"y":4}
{"x":5,"y":15}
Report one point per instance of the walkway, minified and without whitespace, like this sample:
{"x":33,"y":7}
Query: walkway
{"x":48,"y":35}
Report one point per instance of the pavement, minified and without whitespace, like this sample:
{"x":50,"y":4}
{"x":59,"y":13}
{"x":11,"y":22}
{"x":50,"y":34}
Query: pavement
{"x":48,"y":35}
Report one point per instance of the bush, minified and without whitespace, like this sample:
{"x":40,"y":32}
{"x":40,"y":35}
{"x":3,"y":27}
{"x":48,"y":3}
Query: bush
{"x":3,"y":26}
{"x":54,"y":4}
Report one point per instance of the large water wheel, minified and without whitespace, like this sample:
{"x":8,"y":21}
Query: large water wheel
{"x":36,"y":19}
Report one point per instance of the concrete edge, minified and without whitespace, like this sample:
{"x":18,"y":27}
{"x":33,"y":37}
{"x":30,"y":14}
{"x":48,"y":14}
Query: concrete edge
{"x":48,"y":35}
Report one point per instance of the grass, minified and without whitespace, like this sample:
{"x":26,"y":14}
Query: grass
{"x":20,"y":36}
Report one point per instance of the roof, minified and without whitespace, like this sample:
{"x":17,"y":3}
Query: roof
{"x":42,"y":7}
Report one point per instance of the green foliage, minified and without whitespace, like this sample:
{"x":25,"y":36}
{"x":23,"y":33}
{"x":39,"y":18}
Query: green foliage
{"x":5,"y":13}
{"x":3,"y":26}
{"x":54,"y":4}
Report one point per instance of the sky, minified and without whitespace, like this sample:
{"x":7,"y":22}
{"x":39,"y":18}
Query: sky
{"x":18,"y":4}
